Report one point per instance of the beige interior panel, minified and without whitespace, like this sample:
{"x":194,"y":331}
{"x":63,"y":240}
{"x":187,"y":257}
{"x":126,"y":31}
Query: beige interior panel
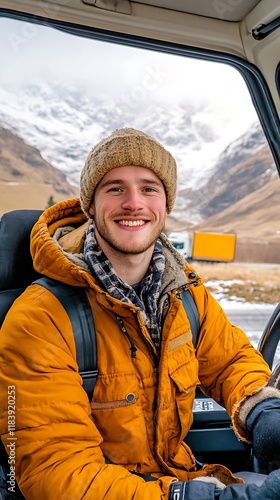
{"x":265,"y":54}
{"x":263,"y":13}
{"x":145,"y":21}
{"x":235,"y":10}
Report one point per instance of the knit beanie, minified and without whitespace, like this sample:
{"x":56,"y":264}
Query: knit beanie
{"x":122,"y":148}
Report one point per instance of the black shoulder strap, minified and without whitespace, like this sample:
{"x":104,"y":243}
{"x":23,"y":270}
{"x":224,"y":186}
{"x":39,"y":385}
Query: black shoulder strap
{"x":192,"y":314}
{"x":75,"y":303}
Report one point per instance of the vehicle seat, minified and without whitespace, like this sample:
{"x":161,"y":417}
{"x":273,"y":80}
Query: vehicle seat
{"x":16,"y":270}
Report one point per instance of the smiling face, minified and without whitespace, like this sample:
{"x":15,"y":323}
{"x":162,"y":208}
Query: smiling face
{"x":129,"y":210}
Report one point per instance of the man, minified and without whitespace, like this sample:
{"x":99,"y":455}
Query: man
{"x":111,"y":242}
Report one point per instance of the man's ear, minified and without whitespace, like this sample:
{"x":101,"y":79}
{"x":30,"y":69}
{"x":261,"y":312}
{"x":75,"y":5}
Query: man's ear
{"x":91,"y":210}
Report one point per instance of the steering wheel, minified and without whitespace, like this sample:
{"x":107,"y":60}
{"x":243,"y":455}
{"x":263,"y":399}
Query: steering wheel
{"x":267,"y":346}
{"x":270,"y":338}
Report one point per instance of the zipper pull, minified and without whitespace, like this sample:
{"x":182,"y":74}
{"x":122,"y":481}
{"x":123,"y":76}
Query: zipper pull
{"x":133,"y":347}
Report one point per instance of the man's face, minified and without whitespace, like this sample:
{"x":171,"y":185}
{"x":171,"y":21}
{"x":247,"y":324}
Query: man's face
{"x":129,"y":210}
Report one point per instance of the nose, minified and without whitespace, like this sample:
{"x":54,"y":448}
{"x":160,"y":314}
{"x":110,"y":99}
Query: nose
{"x":132,"y":200}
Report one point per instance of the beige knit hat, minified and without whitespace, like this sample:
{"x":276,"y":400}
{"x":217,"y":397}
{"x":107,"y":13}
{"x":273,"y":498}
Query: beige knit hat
{"x":125,"y":147}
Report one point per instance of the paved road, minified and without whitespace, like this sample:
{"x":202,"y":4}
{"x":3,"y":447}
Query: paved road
{"x":252,"y":320}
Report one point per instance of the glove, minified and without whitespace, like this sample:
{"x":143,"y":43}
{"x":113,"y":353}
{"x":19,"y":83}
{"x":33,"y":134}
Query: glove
{"x":269,"y":490}
{"x":199,"y":490}
{"x":192,"y":489}
{"x":263,"y":422}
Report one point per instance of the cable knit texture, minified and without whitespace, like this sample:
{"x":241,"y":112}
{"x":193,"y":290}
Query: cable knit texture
{"x":128,"y":147}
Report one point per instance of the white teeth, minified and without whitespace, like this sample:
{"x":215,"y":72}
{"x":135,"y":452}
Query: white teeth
{"x":132,"y":222}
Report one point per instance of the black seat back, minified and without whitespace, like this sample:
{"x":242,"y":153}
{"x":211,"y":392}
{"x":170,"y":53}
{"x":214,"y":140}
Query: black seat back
{"x":16,"y":273}
{"x":16,"y":268}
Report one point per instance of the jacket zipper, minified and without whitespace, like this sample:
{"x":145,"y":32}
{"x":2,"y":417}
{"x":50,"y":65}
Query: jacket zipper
{"x":120,"y":403}
{"x":133,"y":347}
{"x":149,"y":342}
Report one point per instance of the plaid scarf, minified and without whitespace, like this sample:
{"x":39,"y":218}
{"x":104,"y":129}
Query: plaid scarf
{"x":148,"y":289}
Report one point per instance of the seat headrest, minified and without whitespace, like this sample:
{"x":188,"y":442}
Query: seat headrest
{"x":16,"y":268}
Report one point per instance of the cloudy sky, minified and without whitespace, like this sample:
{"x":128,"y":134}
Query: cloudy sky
{"x":32,"y":54}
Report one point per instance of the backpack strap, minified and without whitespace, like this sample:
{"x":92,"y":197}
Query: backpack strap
{"x":192,"y":314}
{"x":75,"y":303}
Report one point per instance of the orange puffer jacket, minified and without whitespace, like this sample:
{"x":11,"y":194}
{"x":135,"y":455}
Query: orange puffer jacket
{"x":142,"y":405}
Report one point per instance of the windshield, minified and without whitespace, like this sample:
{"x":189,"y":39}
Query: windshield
{"x":60,"y":94}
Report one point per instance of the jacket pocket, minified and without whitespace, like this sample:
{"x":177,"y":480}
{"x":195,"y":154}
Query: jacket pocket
{"x":183,"y":372}
{"x":119,"y":403}
{"x":118,"y":415}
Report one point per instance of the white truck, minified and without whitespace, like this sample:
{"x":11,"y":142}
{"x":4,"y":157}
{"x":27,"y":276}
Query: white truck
{"x":183,"y":242}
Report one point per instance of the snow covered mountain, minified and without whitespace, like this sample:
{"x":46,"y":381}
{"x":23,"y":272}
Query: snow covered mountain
{"x":64,"y":123}
{"x":243,"y":167}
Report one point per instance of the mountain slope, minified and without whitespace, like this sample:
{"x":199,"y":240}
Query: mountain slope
{"x":256,"y":214}
{"x":64,"y":122}
{"x":244,"y":167}
{"x":26,"y":179}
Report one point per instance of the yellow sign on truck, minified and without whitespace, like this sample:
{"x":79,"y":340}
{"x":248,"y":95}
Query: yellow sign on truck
{"x":218,"y":247}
